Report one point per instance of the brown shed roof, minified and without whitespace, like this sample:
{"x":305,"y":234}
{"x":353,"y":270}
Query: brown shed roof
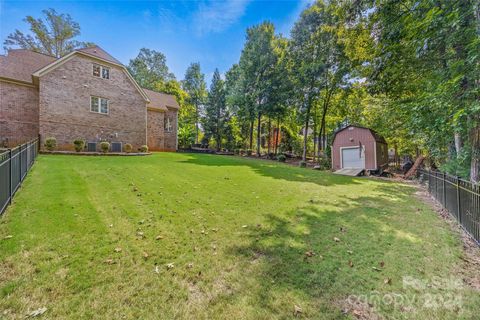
{"x":19,"y":64}
{"x":375,"y":135}
{"x":161,"y":101}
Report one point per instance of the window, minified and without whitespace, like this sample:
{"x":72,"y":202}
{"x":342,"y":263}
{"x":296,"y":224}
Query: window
{"x":102,"y":71}
{"x":168,"y":124}
{"x":99,"y":105}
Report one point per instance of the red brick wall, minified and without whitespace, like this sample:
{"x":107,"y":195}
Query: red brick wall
{"x":351,"y":138}
{"x":171,"y":137}
{"x":155,"y":134}
{"x":64,"y":106}
{"x":18,"y":113}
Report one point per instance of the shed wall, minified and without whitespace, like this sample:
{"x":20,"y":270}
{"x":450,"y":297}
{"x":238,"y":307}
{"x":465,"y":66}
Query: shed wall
{"x":352,"y":138}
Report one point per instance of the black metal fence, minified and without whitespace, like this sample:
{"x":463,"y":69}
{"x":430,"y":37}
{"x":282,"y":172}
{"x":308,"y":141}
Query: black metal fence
{"x":14,"y":166}
{"x":461,"y":198}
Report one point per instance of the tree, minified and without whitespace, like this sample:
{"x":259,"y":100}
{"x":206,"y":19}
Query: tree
{"x":424,"y":62}
{"x":216,"y":117}
{"x":150,"y":67}
{"x":257,"y":63}
{"x":53,"y":36}
{"x":194,"y":84}
{"x":309,"y":67}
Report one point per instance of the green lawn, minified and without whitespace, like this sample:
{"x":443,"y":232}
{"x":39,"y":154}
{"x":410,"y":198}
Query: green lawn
{"x":240,"y":239}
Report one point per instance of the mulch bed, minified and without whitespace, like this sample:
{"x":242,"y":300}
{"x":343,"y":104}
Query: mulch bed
{"x":97,"y":153}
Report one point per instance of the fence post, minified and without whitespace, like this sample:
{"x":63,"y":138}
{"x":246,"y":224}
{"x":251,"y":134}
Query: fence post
{"x":444,"y":191}
{"x":10,"y":175}
{"x":458,"y":201}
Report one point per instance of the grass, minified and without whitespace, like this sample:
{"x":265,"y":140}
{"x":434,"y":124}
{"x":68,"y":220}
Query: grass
{"x":236,"y":233}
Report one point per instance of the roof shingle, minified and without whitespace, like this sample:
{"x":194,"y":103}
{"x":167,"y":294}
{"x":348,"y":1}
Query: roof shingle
{"x":161,"y":101}
{"x":100,"y":53}
{"x":19,"y":64}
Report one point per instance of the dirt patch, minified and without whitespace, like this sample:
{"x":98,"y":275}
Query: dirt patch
{"x":469,"y":269}
{"x":359,"y":309}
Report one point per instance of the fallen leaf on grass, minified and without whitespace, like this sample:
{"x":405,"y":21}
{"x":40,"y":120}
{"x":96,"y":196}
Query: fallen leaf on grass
{"x":157,"y":270}
{"x":118,"y":249}
{"x":382,"y":264}
{"x":8,"y":237}
{"x":190,"y":265}
{"x":37,"y":312}
{"x":376,"y":269}
{"x":170,"y":266}
{"x":309,"y":254}
{"x":244,"y":226}
{"x":158,"y":238}
{"x":296,"y":310}
{"x":140,"y":234}
{"x":387,"y":281}
{"x":336,"y":239}
{"x":349,"y":251}
{"x":350,"y":263}
{"x":145,"y":255}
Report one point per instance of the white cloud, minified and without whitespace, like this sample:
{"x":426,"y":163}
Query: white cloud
{"x":216,"y":16}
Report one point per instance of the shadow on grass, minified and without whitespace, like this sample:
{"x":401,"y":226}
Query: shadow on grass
{"x":271,"y":169}
{"x":328,"y":255}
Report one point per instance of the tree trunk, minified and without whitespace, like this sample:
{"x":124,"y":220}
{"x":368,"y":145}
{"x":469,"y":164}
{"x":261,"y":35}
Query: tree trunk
{"x":259,"y":135}
{"x":277,"y":133}
{"x":269,"y":134}
{"x":458,"y":143}
{"x":475,"y":144}
{"x":196,"y":124}
{"x":315,"y":125}
{"x":322,"y":131}
{"x":251,"y":134}
{"x":305,"y":133}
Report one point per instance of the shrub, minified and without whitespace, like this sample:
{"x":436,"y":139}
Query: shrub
{"x":143,"y":149}
{"x":50,"y":143}
{"x":302,"y":164}
{"x":324,"y":163}
{"x":249,"y":152}
{"x":79,"y":144}
{"x":128,"y":148}
{"x":104,"y":146}
{"x":281,"y":158}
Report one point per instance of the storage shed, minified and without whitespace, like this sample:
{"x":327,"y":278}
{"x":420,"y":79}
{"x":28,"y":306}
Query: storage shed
{"x":356,"y":147}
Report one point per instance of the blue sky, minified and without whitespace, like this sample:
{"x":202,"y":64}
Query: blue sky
{"x":210,"y":32}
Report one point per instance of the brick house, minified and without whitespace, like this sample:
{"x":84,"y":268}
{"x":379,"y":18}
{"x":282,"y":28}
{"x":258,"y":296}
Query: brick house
{"x":87,"y":94}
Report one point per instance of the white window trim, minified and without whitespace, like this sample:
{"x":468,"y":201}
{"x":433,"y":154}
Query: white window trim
{"x":170,"y":121}
{"x":101,"y":71}
{"x":100,"y":106}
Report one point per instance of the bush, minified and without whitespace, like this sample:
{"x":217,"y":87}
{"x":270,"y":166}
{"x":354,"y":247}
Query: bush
{"x":281,"y":158}
{"x":104,"y":146}
{"x":249,"y":152}
{"x":79,"y":144}
{"x":302,"y":164}
{"x":128,"y":148}
{"x":143,"y":149}
{"x":324,"y":163}
{"x":50,"y":143}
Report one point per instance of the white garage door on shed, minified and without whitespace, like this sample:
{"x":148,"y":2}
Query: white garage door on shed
{"x":352,"y":157}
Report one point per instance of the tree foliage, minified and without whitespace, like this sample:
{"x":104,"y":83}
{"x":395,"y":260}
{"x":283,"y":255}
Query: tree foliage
{"x":54,"y":35}
{"x":194,"y":84}
{"x":149,"y":68}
